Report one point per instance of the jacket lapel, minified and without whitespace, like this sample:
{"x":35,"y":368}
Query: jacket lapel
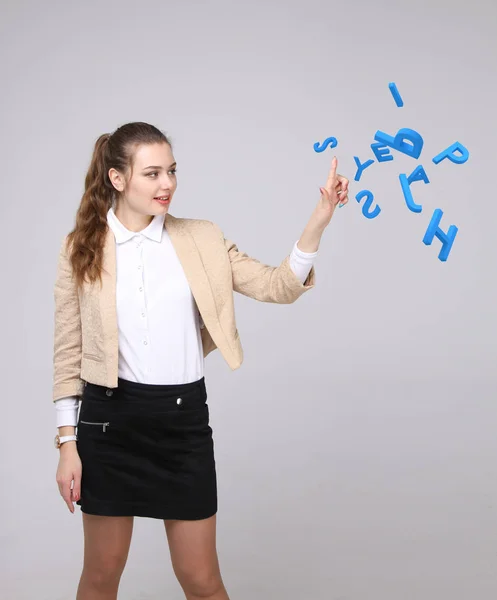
{"x":189,"y":256}
{"x":107,"y":298}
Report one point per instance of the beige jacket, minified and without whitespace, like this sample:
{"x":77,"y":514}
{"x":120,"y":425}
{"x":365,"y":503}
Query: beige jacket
{"x":86,"y":333}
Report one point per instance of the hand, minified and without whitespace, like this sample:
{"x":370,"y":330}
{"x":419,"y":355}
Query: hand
{"x":69,"y":470}
{"x":335,"y":191}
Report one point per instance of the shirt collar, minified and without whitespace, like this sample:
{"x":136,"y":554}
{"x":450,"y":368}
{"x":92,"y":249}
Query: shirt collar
{"x":122,"y":234}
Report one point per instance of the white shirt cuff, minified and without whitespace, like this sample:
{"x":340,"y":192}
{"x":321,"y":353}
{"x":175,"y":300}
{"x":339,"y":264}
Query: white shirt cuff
{"x":301,"y":262}
{"x":67,"y":411}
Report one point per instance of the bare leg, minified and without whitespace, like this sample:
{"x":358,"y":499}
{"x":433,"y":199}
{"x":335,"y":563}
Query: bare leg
{"x":107,"y":542}
{"x":192,"y":545}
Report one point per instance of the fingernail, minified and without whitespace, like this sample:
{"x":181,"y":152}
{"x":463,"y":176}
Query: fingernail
{"x":340,"y":205}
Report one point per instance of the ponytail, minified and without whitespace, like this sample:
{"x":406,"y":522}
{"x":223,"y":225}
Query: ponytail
{"x":85,"y":243}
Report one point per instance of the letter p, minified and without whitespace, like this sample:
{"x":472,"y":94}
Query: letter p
{"x":450,"y":153}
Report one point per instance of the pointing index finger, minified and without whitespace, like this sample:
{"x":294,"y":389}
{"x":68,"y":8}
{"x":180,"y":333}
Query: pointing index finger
{"x":332,"y":173}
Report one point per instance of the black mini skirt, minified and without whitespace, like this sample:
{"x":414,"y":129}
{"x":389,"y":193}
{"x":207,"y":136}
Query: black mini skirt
{"x":147,"y":450}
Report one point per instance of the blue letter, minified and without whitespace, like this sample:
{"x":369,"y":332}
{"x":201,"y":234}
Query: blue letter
{"x":331,"y":140}
{"x":379,"y":154}
{"x":449,"y":153}
{"x":433,"y":230}
{"x":399,"y":141}
{"x":419,"y":174}
{"x":365,"y":209}
{"x":411,"y":205}
{"x":396,"y":96}
{"x":361,"y":168}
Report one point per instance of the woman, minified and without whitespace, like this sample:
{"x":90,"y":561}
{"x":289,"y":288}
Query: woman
{"x":141,"y":297}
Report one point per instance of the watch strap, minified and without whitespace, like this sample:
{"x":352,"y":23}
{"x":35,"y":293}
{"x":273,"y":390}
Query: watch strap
{"x":62,"y":439}
{"x":67,"y":438}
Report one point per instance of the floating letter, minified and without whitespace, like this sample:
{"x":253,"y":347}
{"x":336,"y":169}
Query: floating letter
{"x":331,"y":141}
{"x":367,"y":205}
{"x":361,"y":168}
{"x":380,"y":151}
{"x":449,"y":153}
{"x":419,"y":174}
{"x":434,"y":230}
{"x":399,"y":142}
{"x":396,"y":96}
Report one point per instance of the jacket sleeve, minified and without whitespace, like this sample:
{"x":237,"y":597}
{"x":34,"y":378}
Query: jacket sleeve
{"x":67,"y":332}
{"x":263,"y":282}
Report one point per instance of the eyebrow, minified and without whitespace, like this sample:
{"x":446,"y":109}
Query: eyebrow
{"x":158,"y":167}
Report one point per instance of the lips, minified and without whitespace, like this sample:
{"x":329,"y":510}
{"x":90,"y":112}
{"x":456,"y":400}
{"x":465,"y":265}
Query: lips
{"x":162,"y":200}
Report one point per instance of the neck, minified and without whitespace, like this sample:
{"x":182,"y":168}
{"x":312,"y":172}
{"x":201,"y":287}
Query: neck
{"x":132,"y":220}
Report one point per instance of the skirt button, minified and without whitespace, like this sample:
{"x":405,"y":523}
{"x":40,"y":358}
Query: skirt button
{"x":179,"y":401}
{"x":109,"y":392}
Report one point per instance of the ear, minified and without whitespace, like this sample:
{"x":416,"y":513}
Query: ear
{"x":116,"y":179}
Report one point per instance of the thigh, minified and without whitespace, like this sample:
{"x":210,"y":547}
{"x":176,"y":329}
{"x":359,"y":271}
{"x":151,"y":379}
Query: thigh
{"x":192,"y":545}
{"x":107,"y":542}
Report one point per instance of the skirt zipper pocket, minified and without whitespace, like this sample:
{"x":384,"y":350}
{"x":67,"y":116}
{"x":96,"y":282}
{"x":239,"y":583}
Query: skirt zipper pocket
{"x":104,"y":425}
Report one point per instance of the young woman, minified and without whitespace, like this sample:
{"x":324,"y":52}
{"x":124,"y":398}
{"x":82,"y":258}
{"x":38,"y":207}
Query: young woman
{"x":141,"y":297}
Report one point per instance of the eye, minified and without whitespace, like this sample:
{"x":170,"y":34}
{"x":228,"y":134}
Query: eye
{"x":173,"y":171}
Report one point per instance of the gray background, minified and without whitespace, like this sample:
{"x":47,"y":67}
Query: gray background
{"x":356,"y":446}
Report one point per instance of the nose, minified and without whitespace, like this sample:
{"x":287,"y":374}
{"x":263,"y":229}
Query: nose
{"x":167,"y":182}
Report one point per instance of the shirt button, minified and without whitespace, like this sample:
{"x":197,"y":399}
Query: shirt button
{"x":141,"y":289}
{"x":145,"y":342}
{"x":139,"y":267}
{"x":179,"y":401}
{"x":143,"y":314}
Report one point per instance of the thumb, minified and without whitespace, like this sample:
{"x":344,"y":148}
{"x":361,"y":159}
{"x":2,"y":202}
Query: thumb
{"x":76,"y":489}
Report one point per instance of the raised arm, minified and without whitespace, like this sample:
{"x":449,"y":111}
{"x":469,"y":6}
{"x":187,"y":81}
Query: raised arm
{"x":263,"y":282}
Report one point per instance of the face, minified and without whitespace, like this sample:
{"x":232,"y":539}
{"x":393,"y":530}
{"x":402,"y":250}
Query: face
{"x":154,"y":175}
